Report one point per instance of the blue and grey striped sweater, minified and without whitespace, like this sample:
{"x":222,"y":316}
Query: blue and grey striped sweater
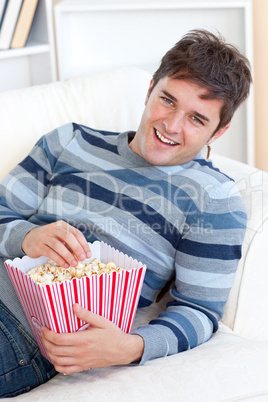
{"x":187,"y":219}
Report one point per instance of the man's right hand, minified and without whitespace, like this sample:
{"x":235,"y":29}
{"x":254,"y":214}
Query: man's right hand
{"x":58,"y":241}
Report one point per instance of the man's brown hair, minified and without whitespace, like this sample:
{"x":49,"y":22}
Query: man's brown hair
{"x":206,"y":59}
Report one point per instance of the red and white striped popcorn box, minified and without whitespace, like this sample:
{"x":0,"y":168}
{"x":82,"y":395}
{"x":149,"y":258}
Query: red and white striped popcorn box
{"x":114,"y":296}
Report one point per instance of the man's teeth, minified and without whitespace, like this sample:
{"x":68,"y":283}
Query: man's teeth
{"x":163,"y":139}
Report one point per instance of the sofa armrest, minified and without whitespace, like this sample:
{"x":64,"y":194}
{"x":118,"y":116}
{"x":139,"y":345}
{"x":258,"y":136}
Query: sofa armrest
{"x":248,"y":300}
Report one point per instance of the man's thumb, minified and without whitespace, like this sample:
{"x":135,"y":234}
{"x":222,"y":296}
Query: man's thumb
{"x":87,"y":316}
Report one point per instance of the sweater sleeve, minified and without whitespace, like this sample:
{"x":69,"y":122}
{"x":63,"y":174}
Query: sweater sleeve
{"x":206,"y":261}
{"x":24,"y":188}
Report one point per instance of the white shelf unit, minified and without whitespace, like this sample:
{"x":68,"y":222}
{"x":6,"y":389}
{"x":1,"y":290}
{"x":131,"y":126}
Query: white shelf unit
{"x":33,"y":64}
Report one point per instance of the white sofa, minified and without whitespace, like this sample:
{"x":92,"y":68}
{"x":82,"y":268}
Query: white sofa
{"x":233,"y":365}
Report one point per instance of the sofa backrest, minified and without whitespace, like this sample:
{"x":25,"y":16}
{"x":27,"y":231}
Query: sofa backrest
{"x":114,"y":101}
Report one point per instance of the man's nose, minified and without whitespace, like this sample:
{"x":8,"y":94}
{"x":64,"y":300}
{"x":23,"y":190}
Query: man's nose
{"x":173,"y":122}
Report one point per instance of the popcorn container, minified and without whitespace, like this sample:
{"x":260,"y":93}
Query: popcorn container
{"x":114,"y":296}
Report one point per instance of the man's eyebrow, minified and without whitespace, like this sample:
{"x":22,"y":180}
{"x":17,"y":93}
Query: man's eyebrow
{"x":168,"y":95}
{"x":201,"y":116}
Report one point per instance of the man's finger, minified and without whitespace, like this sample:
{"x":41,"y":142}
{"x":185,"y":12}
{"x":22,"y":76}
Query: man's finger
{"x":69,"y":243}
{"x":90,"y":318}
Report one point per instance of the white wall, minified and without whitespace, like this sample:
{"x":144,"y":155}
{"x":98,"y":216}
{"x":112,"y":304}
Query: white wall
{"x":260,"y":14}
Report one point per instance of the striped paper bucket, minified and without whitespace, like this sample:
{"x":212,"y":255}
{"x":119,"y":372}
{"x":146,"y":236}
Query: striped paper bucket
{"x":114,"y":296}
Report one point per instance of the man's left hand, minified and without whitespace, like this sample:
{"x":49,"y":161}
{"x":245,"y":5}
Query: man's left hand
{"x":102,"y":344}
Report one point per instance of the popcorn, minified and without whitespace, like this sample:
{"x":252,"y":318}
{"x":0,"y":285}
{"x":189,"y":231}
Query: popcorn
{"x":50,"y":272}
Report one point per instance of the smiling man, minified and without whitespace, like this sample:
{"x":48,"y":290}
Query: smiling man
{"x":149,"y":193}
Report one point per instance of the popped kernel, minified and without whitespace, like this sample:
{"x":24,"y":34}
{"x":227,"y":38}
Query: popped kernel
{"x":50,"y":272}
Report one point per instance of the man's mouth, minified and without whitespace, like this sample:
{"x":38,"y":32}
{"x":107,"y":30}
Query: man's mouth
{"x":163,"y":139}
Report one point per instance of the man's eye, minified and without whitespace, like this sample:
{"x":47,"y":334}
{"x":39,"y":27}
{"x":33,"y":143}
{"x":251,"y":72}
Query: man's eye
{"x":197,"y":120}
{"x":167,"y":100}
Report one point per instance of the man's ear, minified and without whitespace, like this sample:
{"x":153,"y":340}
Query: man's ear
{"x":218,"y":134}
{"x":149,"y":90}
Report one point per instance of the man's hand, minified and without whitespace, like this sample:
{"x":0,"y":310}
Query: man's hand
{"x":58,"y":241}
{"x":102,"y":344}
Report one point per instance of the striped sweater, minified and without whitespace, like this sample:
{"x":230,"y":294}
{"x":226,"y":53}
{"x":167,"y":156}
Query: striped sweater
{"x":186,"y":220}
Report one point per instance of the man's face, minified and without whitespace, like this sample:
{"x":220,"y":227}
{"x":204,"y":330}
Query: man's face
{"x":177,"y":123}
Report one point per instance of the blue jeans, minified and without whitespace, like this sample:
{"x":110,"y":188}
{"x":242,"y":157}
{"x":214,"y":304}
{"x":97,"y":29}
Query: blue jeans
{"x":22,"y":366}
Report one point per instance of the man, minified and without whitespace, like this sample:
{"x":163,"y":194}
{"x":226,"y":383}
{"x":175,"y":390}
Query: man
{"x":150,"y":194}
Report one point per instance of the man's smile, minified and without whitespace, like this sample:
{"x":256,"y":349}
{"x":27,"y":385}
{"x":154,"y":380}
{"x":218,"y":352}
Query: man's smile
{"x":163,"y":139}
